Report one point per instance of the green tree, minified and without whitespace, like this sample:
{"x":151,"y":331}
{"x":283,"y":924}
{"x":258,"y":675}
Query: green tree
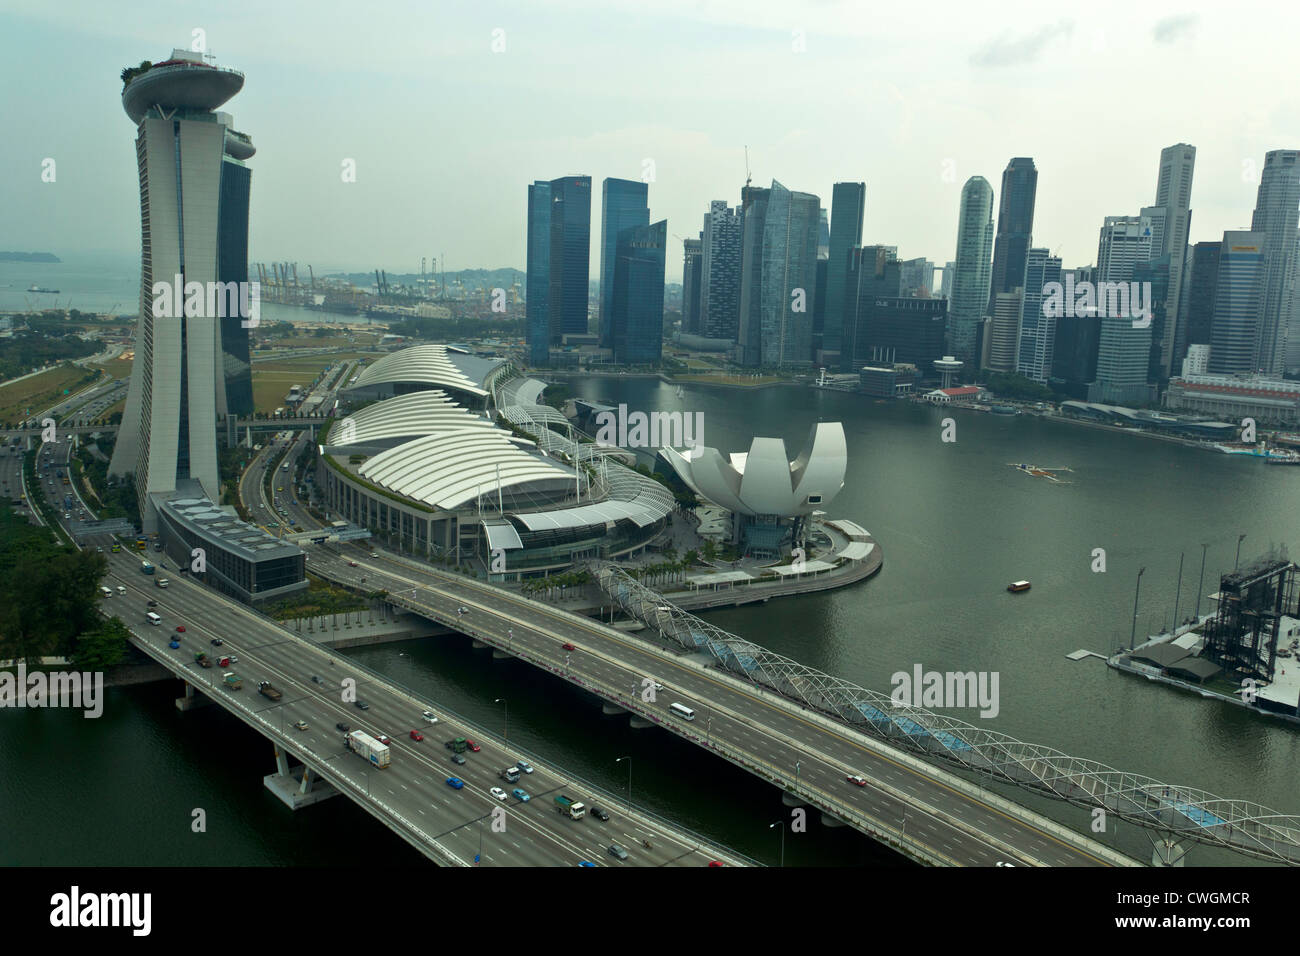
{"x":103,"y":647}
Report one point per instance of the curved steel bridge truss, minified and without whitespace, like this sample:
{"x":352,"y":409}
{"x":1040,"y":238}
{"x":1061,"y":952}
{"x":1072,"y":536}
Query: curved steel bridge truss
{"x":1178,"y":811}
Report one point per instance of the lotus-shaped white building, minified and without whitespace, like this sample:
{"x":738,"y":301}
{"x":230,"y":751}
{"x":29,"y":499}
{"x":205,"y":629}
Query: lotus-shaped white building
{"x":764,"y":487}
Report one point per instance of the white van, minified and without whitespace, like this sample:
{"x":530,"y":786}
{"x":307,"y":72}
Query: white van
{"x":153,"y":618}
{"x":105,"y":592}
{"x":121,"y":590}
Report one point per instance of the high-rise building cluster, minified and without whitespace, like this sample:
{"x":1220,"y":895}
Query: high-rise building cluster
{"x":779,"y":281}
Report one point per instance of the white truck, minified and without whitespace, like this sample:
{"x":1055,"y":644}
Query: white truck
{"x":364,"y":745}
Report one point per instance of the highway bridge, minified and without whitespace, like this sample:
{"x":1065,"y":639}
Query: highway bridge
{"x":411,"y":797}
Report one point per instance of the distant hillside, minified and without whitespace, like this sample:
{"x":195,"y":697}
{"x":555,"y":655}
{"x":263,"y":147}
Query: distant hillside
{"x":29,"y":257}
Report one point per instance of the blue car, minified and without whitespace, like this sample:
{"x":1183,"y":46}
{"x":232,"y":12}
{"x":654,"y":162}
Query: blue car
{"x":521,"y":794}
{"x":585,"y":863}
{"x":173,"y":644}
{"x":455,"y":783}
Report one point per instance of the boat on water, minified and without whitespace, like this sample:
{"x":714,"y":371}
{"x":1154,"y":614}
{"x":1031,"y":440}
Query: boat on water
{"x":1016,"y":586}
{"x":36,"y":288}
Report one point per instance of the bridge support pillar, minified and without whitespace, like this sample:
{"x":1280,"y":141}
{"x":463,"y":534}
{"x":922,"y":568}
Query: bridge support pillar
{"x":830,"y":821}
{"x":299,"y":787}
{"x":1166,"y":851}
{"x":498,"y":655}
{"x":640,"y":723}
{"x":477,"y":644}
{"x":192,"y":699}
{"x":607,"y":708}
{"x":792,"y":800}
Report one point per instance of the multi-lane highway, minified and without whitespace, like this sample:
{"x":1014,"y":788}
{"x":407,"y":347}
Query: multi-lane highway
{"x":412,"y":795}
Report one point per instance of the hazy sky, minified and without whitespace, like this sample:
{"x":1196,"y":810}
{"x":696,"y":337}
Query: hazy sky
{"x":912,"y":98}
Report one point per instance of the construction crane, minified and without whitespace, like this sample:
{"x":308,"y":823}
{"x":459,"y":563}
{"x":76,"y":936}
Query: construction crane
{"x":748,"y":177}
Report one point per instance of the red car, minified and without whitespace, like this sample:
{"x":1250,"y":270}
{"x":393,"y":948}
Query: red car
{"x":383,"y":738}
{"x":568,"y":647}
{"x":473,"y":746}
{"x":180,"y":628}
{"x":416,"y":735}
{"x":715,"y":863}
{"x":856,"y":780}
{"x":352,"y":564}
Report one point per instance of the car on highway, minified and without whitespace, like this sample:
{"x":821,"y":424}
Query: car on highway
{"x":343,"y":727}
{"x":362,"y":705}
{"x":234,"y":659}
{"x":498,"y":793}
{"x":617,"y":851}
{"x":472,"y":746}
{"x":98,"y":549}
{"x":352,"y":564}
{"x":382,"y":738}
{"x":567,"y":646}
{"x":715,"y":863}
{"x":856,"y":780}
{"x":455,"y":783}
{"x":1003,"y":863}
{"x":300,"y":725}
{"x":315,"y":679}
{"x":457,"y":759}
{"x":524,"y":765}
{"x":152,"y":604}
{"x":600,"y":814}
{"x":520,"y":794}
{"x":416,"y":735}
{"x":585,"y":863}
{"x":217,"y":642}
{"x":430,"y":716}
{"x":374,"y":554}
{"x":173,"y":643}
{"x":180,"y":628}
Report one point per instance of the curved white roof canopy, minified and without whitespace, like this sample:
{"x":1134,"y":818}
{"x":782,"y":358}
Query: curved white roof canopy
{"x":406,"y":416}
{"x":431,"y":365}
{"x":763,"y":481}
{"x":452,"y":468}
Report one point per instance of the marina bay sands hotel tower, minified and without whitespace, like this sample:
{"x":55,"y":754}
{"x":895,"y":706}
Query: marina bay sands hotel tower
{"x":191,"y":363}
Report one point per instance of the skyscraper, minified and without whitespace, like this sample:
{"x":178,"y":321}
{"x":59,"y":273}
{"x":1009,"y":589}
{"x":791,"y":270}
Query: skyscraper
{"x":1124,"y":349}
{"x":872,"y":276}
{"x":559,"y":254}
{"x":692,"y":265}
{"x":720,"y":271}
{"x":1173,"y":215}
{"x":537,"y":323}
{"x":1239,"y":304}
{"x":1015,"y":225}
{"x":779,"y":278}
{"x":971,"y":270}
{"x":1004,"y":331}
{"x":848,"y":209}
{"x":916,"y":277}
{"x":637,"y":306}
{"x":624,"y":205}
{"x":1037,"y":330}
{"x":194,"y":190}
{"x":1277,"y":209}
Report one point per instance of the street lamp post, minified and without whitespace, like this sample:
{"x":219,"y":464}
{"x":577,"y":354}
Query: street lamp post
{"x":796,"y":776}
{"x":1237,"y":560}
{"x":781,"y":824}
{"x":1138,"y":590}
{"x":629,"y":776}
{"x":708,"y":733}
{"x":502,"y":700}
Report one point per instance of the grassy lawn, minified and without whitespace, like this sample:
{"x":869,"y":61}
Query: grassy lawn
{"x":118,"y":368}
{"x":38,"y":392}
{"x":272,"y":380}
